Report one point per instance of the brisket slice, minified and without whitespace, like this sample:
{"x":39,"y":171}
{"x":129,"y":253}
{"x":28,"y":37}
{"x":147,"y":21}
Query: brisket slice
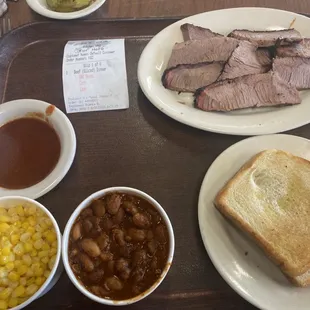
{"x":267,"y":38}
{"x":301,"y":49}
{"x":197,"y":51}
{"x":243,"y":61}
{"x":188,"y":78}
{"x":293,"y":70}
{"x":192,"y":32}
{"x":264,"y":57}
{"x":258,"y":90}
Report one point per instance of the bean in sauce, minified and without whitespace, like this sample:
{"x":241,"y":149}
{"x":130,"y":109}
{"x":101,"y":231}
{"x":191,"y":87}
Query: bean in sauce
{"x":118,"y":246}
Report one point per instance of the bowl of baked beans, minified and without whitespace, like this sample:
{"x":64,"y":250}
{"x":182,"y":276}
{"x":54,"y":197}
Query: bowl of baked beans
{"x":118,"y":246}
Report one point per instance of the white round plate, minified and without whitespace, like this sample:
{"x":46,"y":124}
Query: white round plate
{"x":41,"y":8}
{"x":156,"y":54}
{"x":239,"y":261}
{"x":19,"y":108}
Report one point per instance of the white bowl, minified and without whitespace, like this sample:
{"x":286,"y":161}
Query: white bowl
{"x":10,"y":201}
{"x":84,"y":204}
{"x":40,"y":6}
{"x":20,"y":108}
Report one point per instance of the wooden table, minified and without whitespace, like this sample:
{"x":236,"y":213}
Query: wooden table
{"x":22,"y":14}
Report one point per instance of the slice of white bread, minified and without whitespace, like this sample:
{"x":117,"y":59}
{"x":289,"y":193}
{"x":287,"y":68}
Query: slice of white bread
{"x":269,"y":198}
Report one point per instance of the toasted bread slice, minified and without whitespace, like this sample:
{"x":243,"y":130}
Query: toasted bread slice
{"x":269,"y":198}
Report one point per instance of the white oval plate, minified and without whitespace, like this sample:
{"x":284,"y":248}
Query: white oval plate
{"x":41,"y":8}
{"x":19,"y":108}
{"x":156,"y":54}
{"x":239,"y":261}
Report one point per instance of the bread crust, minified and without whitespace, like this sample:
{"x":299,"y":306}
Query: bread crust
{"x":290,"y":270}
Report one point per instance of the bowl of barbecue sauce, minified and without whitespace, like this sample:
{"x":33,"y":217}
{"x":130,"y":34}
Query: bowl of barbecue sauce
{"x":37,"y":143}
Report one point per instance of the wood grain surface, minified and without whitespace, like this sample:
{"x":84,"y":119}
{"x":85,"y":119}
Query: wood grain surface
{"x":21,"y":14}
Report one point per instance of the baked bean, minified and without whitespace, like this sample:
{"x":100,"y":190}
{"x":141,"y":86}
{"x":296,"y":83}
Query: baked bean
{"x":150,"y":235}
{"x":86,"y":212}
{"x":107,"y":224}
{"x":87,"y":225}
{"x":141,"y":220}
{"x":152,"y":246}
{"x":118,"y":236}
{"x":103,"y":241}
{"x":136,"y":235}
{"x":125,"y":274}
{"x":113,"y":284}
{"x":74,"y":252}
{"x":111,"y":265}
{"x":125,"y":250}
{"x":106,"y":256}
{"x":114,"y":204}
{"x":90,"y":247}
{"x":119,"y":216}
{"x":130,"y":207}
{"x":76,"y":231}
{"x":98,"y":207}
{"x":96,"y":224}
{"x":99,"y":291}
{"x":160,"y":232}
{"x":96,"y":276}
{"x":154,"y":263}
{"x":121,"y":264}
{"x":139,"y":258}
{"x":76,"y":268}
{"x":86,"y":262}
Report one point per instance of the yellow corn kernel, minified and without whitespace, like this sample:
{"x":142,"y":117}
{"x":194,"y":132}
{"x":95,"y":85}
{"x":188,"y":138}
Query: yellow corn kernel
{"x":4,"y":282}
{"x":35,"y":266}
{"x":52,"y":262}
{"x":17,"y":263}
{"x":23,"y":281}
{"x":36,"y":236}
{"x":13,"y":276}
{"x":38,"y":244}
{"x":46,"y":273}
{"x":25,"y":225}
{"x":9,"y":266}
{"x":19,"y":291}
{"x":21,"y":270}
{"x":27,"y":259}
{"x":14,"y":238}
{"x":3,"y":304}
{"x":13,"y":302}
{"x":12,"y":211}
{"x":11,"y":257}
{"x":38,"y":228}
{"x":25,"y":237}
{"x":6,"y":250}
{"x":36,"y":259}
{"x":19,"y":249}
{"x":31,"y":230}
{"x":33,"y":253}
{"x":45,"y":260}
{"x":39,"y":281}
{"x":39,"y":272}
{"x":29,"y":273}
{"x":51,"y":237}
{"x":32,"y":210}
{"x":43,"y":254}
{"x":28,"y":247}
{"x":4,"y":259}
{"x":5,"y":293}
{"x":52,"y":251}
{"x":12,"y":285}
{"x":4,"y":218}
{"x":46,"y":247}
{"x":4,"y":227}
{"x":20,"y":211}
{"x":31,"y":289}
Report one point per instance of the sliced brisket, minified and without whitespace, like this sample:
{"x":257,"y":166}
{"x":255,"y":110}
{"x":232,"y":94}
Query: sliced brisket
{"x":243,"y":61}
{"x":293,"y":70}
{"x":192,"y":32}
{"x":197,"y":51}
{"x":258,"y":90}
{"x":264,"y":57}
{"x":301,"y":49}
{"x":267,"y":38}
{"x":188,"y":78}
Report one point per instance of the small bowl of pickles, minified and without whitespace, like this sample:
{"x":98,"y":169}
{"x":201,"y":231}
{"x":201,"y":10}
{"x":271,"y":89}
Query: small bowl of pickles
{"x":65,"y":9}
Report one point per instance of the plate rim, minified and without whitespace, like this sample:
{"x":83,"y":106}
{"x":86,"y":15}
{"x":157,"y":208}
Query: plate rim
{"x":216,"y":265}
{"x":238,"y":130}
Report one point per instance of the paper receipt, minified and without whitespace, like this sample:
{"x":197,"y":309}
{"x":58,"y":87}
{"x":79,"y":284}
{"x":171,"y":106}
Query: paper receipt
{"x":94,"y":76}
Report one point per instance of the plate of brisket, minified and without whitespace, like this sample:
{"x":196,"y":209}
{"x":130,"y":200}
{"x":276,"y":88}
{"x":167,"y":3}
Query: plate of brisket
{"x":243,"y":71}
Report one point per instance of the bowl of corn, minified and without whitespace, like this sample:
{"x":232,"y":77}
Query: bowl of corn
{"x":30,"y":249}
